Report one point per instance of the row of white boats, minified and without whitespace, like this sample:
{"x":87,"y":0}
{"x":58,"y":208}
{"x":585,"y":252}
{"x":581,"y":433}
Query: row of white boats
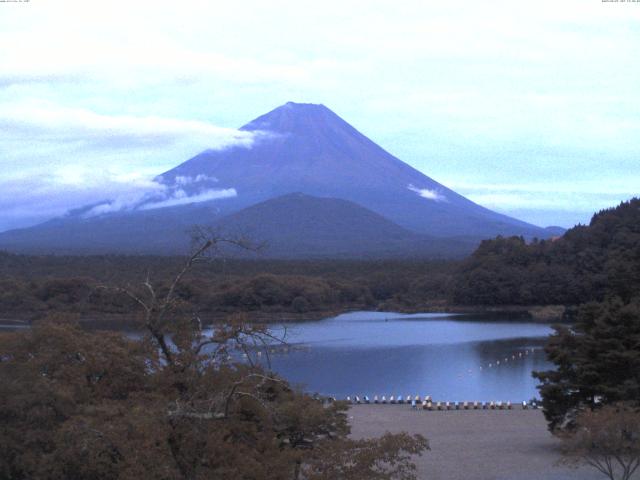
{"x":426,"y":403}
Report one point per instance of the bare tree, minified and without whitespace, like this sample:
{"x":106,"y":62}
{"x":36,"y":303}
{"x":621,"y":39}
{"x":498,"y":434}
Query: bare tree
{"x":160,"y":308}
{"x":608,"y":439}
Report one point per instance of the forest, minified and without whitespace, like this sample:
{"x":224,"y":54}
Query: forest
{"x":33,"y":287}
{"x":588,"y":263}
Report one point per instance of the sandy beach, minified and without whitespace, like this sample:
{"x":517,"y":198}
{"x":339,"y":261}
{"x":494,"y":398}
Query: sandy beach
{"x":470,"y":444}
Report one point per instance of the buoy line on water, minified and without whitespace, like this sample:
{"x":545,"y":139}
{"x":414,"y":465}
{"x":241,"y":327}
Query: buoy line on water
{"x":519,"y":355}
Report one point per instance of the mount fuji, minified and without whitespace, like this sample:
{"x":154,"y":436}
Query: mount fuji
{"x":360,"y":200}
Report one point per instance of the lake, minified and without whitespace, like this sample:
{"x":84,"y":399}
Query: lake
{"x":450,"y":357}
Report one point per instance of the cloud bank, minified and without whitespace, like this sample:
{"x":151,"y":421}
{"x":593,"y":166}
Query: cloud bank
{"x":43,"y":121}
{"x":57,"y":159}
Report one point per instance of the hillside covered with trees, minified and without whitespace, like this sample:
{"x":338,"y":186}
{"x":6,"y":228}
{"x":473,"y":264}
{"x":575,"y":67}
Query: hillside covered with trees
{"x":588,"y":263}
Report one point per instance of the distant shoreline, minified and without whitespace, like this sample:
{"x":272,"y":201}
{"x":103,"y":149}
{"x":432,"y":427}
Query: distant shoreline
{"x":532,"y":313}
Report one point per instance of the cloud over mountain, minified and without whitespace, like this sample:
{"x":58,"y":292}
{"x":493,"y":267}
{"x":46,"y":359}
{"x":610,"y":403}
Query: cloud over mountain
{"x":60,"y":158}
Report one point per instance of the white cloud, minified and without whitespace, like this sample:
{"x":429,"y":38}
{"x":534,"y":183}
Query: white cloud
{"x":30,"y":199}
{"x":188,"y":180}
{"x":57,"y":158}
{"x":180,"y":197}
{"x":428,"y":194}
{"x":49,"y":122}
{"x":156,"y":196}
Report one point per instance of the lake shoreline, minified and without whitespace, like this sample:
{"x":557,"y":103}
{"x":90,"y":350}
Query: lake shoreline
{"x":473,"y":444}
{"x":532,"y":313}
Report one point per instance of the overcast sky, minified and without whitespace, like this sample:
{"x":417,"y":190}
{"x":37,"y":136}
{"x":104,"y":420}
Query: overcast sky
{"x":531,"y":108}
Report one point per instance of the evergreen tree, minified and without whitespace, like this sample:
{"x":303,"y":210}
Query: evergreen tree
{"x":597,"y":361}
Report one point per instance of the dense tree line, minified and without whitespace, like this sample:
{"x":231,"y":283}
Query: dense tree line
{"x":33,"y":287}
{"x":588,"y":263}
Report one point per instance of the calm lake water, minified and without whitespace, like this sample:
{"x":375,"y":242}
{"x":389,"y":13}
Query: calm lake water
{"x":451,"y":358}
